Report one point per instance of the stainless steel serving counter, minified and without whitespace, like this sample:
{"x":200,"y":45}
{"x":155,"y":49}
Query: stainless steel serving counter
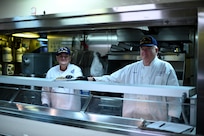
{"x":33,"y":119}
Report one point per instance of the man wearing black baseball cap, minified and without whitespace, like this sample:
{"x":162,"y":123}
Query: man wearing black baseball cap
{"x":62,"y":98}
{"x":148,"y":49}
{"x":150,"y":70}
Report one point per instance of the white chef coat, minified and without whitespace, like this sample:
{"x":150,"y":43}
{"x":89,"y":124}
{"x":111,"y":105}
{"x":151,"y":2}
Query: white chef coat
{"x":62,"y":98}
{"x":158,"y":73}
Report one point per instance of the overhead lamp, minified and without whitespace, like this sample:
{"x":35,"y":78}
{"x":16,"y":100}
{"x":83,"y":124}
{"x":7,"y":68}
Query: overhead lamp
{"x":26,"y":35}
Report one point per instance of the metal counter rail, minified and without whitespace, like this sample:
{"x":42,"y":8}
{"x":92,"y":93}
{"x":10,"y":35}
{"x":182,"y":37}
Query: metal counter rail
{"x":158,"y":90}
{"x":98,"y":122}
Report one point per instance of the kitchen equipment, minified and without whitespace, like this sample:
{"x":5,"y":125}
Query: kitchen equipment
{"x":7,"y":54}
{"x":8,"y":69}
{"x":37,"y":63}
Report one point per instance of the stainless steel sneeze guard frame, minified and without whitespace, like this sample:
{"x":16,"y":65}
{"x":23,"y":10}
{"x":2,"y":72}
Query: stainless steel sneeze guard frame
{"x":158,"y":90}
{"x":83,"y":119}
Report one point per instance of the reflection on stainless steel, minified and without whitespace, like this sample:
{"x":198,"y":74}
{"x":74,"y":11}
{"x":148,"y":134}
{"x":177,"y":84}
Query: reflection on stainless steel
{"x":93,"y":121}
{"x":134,"y":8}
{"x":155,"y":14}
{"x":105,"y":105}
{"x":98,"y":112}
{"x":200,"y":70}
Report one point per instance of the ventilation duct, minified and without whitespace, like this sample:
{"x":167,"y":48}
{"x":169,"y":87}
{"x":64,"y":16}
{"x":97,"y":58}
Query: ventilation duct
{"x":129,"y":35}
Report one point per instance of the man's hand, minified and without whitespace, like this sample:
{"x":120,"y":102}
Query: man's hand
{"x":91,"y":79}
{"x":45,"y":105}
{"x":82,"y":78}
{"x":174,"y":119}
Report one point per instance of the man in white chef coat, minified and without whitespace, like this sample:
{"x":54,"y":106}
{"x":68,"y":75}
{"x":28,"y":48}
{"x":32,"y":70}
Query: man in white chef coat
{"x":62,"y":98}
{"x":150,"y":70}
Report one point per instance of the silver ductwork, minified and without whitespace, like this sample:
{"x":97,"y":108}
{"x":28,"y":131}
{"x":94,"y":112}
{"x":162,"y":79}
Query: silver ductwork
{"x":155,"y":14}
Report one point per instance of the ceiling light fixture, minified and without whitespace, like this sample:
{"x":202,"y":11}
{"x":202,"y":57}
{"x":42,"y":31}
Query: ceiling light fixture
{"x":26,"y":35}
